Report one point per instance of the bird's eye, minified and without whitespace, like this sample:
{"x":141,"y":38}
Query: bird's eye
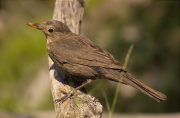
{"x":50,"y":30}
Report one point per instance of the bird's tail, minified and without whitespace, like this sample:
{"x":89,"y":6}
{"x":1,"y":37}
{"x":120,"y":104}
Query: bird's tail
{"x":132,"y":81}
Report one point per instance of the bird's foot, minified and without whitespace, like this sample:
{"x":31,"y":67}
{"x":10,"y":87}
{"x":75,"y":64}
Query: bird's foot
{"x":64,"y":98}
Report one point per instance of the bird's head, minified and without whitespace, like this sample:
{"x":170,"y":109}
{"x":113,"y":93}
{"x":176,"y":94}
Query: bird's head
{"x":51,"y":28}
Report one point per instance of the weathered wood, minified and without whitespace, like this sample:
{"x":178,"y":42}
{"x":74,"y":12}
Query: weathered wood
{"x":80,"y":105}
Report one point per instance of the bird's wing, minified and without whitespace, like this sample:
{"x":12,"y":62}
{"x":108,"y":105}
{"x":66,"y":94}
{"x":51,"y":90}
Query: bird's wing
{"x":80,"y":50}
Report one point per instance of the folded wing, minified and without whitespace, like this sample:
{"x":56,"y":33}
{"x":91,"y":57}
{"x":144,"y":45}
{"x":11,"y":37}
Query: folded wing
{"x":80,"y":50}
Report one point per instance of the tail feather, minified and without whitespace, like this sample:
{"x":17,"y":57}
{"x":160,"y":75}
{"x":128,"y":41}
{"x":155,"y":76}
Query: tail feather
{"x":132,"y":81}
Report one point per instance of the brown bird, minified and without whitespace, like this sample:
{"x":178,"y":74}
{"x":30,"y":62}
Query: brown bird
{"x":83,"y":60}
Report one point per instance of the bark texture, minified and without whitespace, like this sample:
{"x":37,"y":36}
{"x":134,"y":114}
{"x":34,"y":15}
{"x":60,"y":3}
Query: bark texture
{"x":80,"y":105}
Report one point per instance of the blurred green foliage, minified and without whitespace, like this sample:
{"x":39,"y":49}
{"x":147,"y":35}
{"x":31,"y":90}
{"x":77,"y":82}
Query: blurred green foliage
{"x":152,"y":26}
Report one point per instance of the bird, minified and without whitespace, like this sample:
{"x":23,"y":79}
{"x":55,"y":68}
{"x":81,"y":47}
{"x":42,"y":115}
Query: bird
{"x":80,"y":58}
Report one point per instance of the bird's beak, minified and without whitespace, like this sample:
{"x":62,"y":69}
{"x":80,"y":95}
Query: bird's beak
{"x":35,"y":25}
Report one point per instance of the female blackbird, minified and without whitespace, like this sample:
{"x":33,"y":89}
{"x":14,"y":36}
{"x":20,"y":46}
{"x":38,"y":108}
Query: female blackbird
{"x":80,"y":58}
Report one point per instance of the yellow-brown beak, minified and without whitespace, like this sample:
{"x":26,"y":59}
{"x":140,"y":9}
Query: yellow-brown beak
{"x":35,"y":25}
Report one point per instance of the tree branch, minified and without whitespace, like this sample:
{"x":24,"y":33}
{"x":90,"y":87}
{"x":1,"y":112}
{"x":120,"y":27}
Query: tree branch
{"x":79,"y":105}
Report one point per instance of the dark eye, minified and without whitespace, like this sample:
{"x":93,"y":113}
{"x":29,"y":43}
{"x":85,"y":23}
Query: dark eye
{"x":50,"y":30}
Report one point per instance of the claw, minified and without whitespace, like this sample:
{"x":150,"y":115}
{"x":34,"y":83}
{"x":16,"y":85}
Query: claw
{"x":68,"y":95}
{"x":64,"y":98}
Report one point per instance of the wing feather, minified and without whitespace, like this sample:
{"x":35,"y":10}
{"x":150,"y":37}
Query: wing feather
{"x":80,"y":50}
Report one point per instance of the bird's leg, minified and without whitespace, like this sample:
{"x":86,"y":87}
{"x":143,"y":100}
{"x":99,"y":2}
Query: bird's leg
{"x":64,"y":98}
